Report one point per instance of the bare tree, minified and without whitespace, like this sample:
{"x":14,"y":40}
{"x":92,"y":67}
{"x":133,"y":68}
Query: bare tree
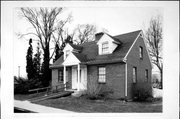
{"x":84,"y":33}
{"x":154,"y":39}
{"x":45,"y":24}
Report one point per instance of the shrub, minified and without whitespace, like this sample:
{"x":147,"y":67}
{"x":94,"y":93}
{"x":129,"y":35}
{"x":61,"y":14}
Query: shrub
{"x":105,"y":91}
{"x":93,"y":89}
{"x":22,"y":85}
{"x":142,"y":91}
{"x":97,"y":91}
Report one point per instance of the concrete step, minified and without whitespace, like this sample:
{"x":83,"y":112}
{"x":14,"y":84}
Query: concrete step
{"x":78,"y":93}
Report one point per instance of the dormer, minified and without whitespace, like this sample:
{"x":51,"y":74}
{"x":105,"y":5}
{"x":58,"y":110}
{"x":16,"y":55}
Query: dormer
{"x":71,"y":48}
{"x":107,"y":44}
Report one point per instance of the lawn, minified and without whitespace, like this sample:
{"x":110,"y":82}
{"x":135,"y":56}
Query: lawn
{"x":84,"y":105}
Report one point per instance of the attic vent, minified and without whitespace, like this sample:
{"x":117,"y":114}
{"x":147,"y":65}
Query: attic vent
{"x":140,"y":35}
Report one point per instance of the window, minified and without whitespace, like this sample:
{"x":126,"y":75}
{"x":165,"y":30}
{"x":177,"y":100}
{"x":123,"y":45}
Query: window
{"x":60,"y":76}
{"x":134,"y":74}
{"x":141,"y":52}
{"x":102,"y":75}
{"x":67,"y":53}
{"x":105,"y":48}
{"x":146,"y":75}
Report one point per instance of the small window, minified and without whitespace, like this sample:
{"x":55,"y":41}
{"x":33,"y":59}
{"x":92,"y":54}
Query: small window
{"x":134,"y":74}
{"x":60,"y":76}
{"x":102,"y":75}
{"x":67,"y":53}
{"x":146,"y":75}
{"x":141,"y":52}
{"x":105,"y":48}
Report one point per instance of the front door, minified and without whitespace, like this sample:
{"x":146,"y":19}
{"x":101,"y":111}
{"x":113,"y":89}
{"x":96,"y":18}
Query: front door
{"x":74,"y":78}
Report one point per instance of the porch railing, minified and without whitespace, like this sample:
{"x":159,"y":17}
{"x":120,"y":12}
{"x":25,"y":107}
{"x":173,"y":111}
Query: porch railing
{"x":55,"y":88}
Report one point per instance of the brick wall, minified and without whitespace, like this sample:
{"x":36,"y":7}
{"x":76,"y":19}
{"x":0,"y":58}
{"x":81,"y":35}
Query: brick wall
{"x":133,"y":60}
{"x":54,"y":77}
{"x":115,"y":75}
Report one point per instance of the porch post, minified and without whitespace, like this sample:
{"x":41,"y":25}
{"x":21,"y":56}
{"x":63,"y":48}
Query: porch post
{"x":78,"y":77}
{"x":64,"y":76}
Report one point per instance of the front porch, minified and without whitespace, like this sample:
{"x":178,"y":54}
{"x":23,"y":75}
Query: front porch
{"x":71,"y":77}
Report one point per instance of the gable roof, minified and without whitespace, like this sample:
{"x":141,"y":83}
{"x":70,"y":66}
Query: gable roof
{"x":58,"y":62}
{"x":77,"y":47}
{"x":115,"y":39}
{"x":89,"y":50}
{"x":81,"y":57}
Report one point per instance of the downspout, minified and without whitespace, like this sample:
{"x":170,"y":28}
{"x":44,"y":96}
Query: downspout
{"x":125,"y":60}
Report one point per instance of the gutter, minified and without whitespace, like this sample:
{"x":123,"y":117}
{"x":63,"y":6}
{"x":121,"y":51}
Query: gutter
{"x":104,"y":62}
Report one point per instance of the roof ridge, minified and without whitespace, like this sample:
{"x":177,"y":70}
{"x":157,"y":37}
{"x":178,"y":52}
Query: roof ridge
{"x":127,"y":33}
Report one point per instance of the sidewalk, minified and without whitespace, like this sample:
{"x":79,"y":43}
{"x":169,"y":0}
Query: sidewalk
{"x":37,"y":108}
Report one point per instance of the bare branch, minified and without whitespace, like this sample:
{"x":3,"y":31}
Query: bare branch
{"x":22,"y":35}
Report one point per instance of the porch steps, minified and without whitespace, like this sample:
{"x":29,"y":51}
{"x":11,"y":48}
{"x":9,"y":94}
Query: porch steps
{"x":51,"y":96}
{"x":78,"y":93}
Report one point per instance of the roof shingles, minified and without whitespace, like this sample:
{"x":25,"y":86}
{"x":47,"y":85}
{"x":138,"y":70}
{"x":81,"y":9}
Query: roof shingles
{"x":89,"y":50}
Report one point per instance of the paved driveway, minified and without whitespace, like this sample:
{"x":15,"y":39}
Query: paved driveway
{"x":37,"y":108}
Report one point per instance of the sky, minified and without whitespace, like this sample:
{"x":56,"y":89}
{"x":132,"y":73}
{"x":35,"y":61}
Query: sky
{"x":116,"y":20}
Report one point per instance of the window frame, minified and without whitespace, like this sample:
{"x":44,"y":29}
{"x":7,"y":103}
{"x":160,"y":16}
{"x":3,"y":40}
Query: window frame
{"x":60,"y":78}
{"x":134,"y":74}
{"x":105,"y":47}
{"x":140,"y":52}
{"x":102,"y":74}
{"x":146,"y":75}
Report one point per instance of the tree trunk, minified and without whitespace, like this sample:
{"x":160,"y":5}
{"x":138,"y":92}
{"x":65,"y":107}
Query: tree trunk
{"x":46,"y":72}
{"x":161,"y":76}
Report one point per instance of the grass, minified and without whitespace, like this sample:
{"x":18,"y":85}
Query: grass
{"x":84,"y":105}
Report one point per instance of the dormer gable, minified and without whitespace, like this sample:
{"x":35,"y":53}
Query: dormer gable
{"x":71,"y":60}
{"x":107,"y":44}
{"x":69,"y":48}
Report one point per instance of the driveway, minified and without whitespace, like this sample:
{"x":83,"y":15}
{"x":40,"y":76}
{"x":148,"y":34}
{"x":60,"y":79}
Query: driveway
{"x":26,"y":105}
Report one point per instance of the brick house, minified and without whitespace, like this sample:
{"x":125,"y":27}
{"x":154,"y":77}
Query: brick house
{"x":112,"y":62}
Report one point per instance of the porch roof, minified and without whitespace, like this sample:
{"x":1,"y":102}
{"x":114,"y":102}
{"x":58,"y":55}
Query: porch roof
{"x":58,"y":63}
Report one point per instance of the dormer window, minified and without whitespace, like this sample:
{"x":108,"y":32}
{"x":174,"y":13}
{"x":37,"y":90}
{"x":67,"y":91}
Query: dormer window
{"x":67,"y":53}
{"x":105,"y":48}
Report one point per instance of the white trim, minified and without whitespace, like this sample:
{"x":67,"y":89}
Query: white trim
{"x":64,"y":76}
{"x":78,"y":87}
{"x":126,"y":80}
{"x":132,"y":46}
{"x":71,"y":60}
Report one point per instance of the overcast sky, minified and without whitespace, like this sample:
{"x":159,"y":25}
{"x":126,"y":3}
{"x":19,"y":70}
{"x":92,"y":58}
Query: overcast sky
{"x":116,"y":20}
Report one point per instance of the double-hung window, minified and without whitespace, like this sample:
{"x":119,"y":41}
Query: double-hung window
{"x":146,"y":75}
{"x":105,"y":48}
{"x":102,"y":75}
{"x":134,"y":74}
{"x":60,"y":76}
